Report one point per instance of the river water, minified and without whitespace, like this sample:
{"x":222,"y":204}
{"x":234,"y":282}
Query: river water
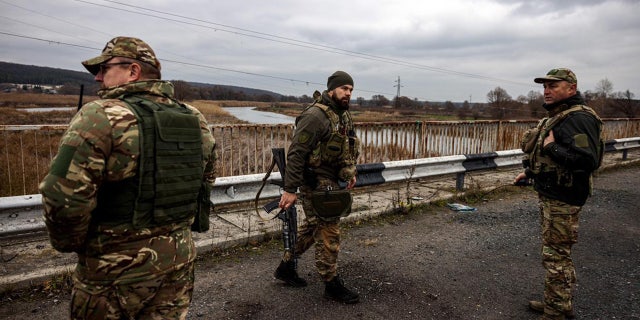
{"x":259,"y":117}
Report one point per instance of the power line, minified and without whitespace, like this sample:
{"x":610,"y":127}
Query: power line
{"x":49,"y":41}
{"x":42,"y":28}
{"x":295,"y":42}
{"x":487,"y":106}
{"x":53,"y":17}
{"x":187,"y":63}
{"x":268,"y":37}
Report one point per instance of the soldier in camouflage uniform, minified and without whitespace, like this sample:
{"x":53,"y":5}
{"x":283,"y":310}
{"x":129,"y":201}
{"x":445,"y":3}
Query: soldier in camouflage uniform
{"x":123,"y":190}
{"x":565,"y":149}
{"x":323,"y":152}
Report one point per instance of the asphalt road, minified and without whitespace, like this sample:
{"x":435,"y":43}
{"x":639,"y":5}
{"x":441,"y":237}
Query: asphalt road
{"x":432,"y":263}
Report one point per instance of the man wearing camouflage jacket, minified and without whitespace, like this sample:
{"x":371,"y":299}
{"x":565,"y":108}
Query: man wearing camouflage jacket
{"x":123,"y":190}
{"x":564,"y":151}
{"x":323,"y":152}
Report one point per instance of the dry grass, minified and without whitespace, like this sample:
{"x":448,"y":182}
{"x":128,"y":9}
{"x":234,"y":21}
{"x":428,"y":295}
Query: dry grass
{"x":11,"y":116}
{"x":360,"y":114}
{"x":376,"y":116}
{"x":25,"y":159}
{"x":36,"y":100}
{"x":290,"y":109}
{"x":214,"y":112}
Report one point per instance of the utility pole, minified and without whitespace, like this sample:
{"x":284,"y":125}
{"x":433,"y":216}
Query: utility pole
{"x":398,"y":92}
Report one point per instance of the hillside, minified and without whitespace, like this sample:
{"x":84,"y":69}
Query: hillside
{"x":20,"y":73}
{"x":37,"y":75}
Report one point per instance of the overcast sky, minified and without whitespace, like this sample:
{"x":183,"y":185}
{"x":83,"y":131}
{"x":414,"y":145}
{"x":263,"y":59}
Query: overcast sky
{"x":440,"y":50}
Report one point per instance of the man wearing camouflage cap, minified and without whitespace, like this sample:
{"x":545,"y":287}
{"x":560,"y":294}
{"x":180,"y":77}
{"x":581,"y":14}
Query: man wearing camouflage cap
{"x":126,"y":188}
{"x":562,"y":152}
{"x":323,"y":152}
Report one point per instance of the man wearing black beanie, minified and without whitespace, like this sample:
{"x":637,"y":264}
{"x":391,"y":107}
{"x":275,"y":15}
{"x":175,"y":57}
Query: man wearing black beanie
{"x":322,"y":154}
{"x":338,"y":79}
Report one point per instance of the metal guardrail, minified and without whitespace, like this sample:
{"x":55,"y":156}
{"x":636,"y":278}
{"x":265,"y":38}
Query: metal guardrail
{"x":26,"y":151}
{"x":23,"y":214}
{"x":622,"y":145}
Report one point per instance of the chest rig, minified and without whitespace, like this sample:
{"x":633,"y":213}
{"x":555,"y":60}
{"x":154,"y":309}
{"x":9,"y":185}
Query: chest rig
{"x":341,"y":147}
{"x":533,"y":143}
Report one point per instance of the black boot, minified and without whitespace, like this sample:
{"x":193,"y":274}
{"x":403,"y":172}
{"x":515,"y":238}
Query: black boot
{"x":287,"y":272}
{"x":335,"y":290}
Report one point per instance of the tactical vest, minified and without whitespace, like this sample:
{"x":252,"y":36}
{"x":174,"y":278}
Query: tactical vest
{"x":341,"y":149}
{"x":165,"y":190}
{"x":543,"y":163}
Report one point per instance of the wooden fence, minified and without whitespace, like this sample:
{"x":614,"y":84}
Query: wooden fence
{"x":26,"y":151}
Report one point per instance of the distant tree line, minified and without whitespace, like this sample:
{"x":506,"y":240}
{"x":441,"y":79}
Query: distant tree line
{"x":499,"y":104}
{"x":606,"y":102}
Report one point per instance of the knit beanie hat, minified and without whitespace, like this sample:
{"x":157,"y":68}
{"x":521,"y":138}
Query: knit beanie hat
{"x":338,"y":78}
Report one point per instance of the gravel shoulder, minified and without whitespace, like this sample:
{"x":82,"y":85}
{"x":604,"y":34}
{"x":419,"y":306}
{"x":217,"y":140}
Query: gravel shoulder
{"x":432,"y":263}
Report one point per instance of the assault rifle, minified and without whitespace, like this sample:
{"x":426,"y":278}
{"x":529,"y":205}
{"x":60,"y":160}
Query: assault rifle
{"x":289,"y":216}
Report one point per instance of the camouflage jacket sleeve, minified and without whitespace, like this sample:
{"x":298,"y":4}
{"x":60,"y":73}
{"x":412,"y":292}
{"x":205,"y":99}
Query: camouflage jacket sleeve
{"x":100,"y":143}
{"x":311,"y":126}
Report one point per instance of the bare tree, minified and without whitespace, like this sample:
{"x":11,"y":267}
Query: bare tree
{"x":464,"y":111}
{"x":604,"y":88}
{"x":535,"y":100}
{"x":405,"y":103}
{"x":379,"y":100}
{"x":477,"y":110}
{"x":623,"y":102}
{"x":182,"y":90}
{"x":599,"y":100}
{"x":499,"y":101}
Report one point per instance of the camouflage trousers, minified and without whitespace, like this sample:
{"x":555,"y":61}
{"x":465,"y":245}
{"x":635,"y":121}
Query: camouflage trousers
{"x":165,"y":297}
{"x":324,"y":235}
{"x":559,"y":232}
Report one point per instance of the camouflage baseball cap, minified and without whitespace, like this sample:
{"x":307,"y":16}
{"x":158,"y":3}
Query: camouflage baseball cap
{"x":126,"y":47}
{"x":559,"y":74}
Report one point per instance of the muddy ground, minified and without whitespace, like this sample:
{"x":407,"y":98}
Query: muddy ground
{"x":432,"y":263}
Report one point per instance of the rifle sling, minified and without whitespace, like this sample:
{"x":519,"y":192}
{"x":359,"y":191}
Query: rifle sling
{"x":264,"y":181}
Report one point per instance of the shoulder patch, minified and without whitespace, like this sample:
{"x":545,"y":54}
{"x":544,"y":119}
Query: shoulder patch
{"x":304,"y":137}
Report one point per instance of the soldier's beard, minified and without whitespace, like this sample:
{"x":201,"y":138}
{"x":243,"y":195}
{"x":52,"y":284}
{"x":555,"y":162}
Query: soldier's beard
{"x":341,"y":103}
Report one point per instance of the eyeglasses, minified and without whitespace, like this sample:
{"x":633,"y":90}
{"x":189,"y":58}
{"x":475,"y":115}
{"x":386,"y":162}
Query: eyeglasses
{"x":105,"y":66}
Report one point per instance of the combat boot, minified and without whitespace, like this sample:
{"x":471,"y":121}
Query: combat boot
{"x":287,"y":272}
{"x":335,"y":290}
{"x":538,"y":306}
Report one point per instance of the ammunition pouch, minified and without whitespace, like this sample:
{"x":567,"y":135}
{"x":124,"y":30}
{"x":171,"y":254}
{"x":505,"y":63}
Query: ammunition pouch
{"x":334,"y":147}
{"x":331,"y":204}
{"x":529,"y":139}
{"x":201,"y":221}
